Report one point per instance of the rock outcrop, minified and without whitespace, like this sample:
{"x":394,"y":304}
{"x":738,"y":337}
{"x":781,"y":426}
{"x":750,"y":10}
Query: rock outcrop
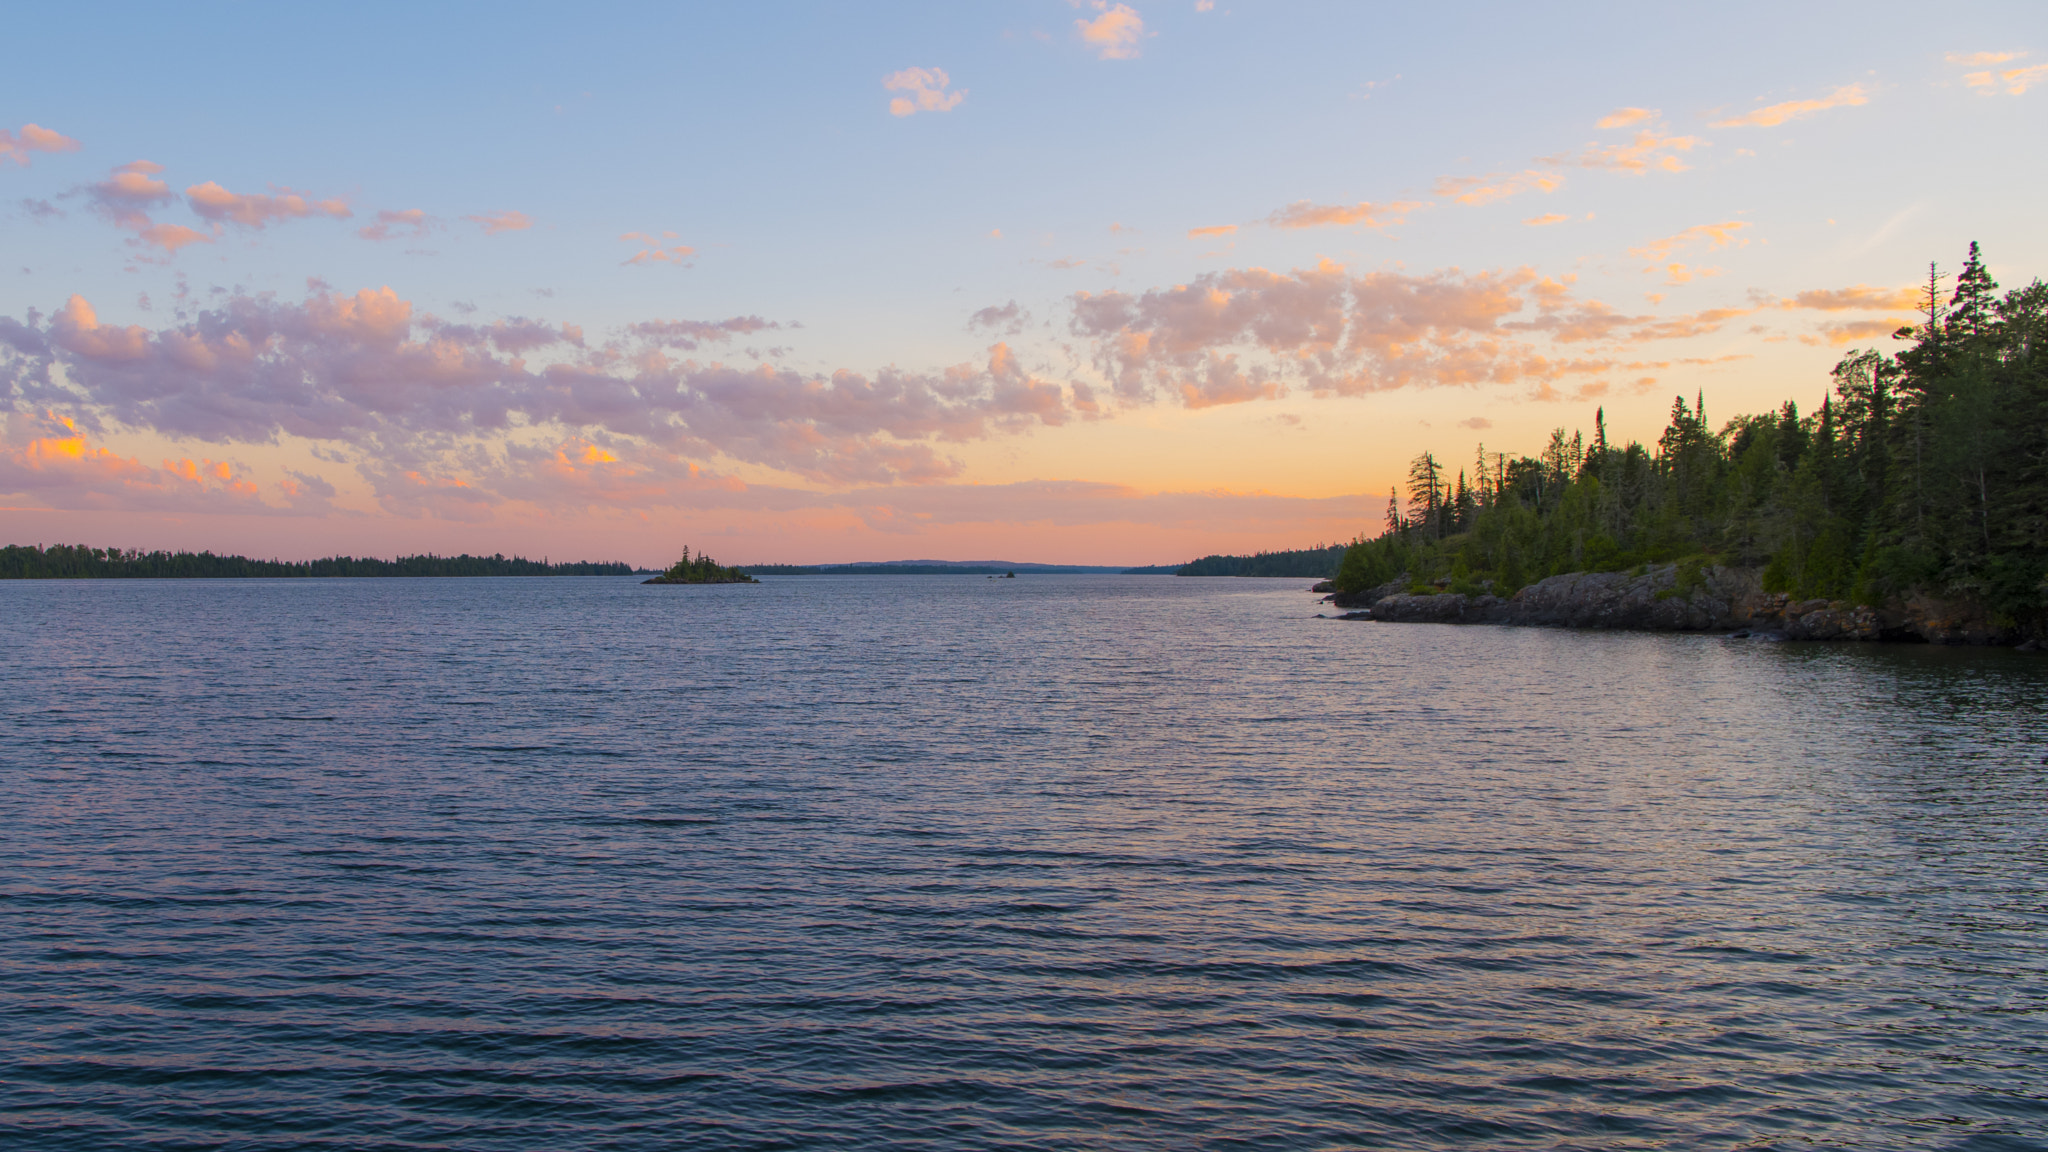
{"x":1672,"y":598}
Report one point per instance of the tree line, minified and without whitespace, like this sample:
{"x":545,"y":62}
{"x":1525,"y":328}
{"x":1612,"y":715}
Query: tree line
{"x":1320,"y":562}
{"x":1925,"y":470}
{"x":79,"y":562}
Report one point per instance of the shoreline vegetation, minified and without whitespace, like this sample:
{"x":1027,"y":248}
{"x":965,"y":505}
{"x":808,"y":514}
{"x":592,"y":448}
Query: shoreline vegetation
{"x":702,"y":570}
{"x":1320,"y":562}
{"x":1912,"y":505}
{"x":79,"y":562}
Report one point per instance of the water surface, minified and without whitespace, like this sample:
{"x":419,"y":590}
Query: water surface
{"x":1046,"y":863}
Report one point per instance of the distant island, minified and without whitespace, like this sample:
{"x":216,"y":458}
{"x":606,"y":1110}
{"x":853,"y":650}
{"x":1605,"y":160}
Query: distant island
{"x":702,"y":570}
{"x":1910,"y":505}
{"x":79,"y":562}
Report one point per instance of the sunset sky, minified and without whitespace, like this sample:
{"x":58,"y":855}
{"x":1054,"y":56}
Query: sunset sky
{"x":1068,"y":282}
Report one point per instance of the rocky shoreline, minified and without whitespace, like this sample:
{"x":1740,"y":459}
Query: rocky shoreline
{"x":1668,"y":598}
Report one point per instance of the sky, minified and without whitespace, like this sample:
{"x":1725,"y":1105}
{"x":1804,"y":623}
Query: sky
{"x":1071,"y":282}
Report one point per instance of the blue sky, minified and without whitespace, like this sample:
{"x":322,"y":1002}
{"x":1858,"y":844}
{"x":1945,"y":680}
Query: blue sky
{"x":1177,"y":199}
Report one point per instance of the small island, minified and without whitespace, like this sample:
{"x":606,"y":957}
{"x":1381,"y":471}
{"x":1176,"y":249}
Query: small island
{"x":702,"y":570}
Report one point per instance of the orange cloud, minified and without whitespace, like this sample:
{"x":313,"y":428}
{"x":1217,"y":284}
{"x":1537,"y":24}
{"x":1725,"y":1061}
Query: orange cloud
{"x":1776,"y":114}
{"x":1213,"y":230}
{"x":1981,"y":59}
{"x":1114,"y":34}
{"x":2015,"y":80}
{"x":1365,"y":214}
{"x":216,"y":203}
{"x":924,"y":90}
{"x":1717,"y":236}
{"x":1546,"y":220}
{"x":1683,"y":274}
{"x":1858,"y":331}
{"x":1860,"y":298}
{"x":49,"y":459}
{"x":1648,"y":150}
{"x":1487,"y":189}
{"x":1623,"y":117}
{"x":16,"y":146}
{"x":496,"y":222}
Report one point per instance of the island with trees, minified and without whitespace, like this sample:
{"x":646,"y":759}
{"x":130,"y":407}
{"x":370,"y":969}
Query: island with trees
{"x":1911,"y":504}
{"x":702,"y":570}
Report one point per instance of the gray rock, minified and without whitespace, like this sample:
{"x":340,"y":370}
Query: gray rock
{"x":1710,"y":598}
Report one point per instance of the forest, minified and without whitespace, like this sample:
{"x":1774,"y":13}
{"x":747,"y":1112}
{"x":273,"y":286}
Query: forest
{"x":1320,"y":562}
{"x":79,"y":562}
{"x":1921,"y":471}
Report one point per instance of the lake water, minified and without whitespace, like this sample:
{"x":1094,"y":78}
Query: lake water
{"x":955,"y":863}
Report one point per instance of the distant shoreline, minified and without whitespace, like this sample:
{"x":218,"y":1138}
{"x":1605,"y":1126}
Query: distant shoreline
{"x":78,"y":562}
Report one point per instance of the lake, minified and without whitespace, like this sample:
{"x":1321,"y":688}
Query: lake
{"x":1059,"y":862}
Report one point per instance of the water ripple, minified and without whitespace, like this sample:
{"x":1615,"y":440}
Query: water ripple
{"x":1050,"y":863}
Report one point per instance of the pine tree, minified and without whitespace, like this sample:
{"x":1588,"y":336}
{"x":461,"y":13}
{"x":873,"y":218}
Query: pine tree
{"x":1426,"y":487}
{"x":1973,"y":307}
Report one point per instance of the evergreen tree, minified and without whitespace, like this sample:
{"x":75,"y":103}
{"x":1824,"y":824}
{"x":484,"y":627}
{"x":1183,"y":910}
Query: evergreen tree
{"x":1922,"y":471}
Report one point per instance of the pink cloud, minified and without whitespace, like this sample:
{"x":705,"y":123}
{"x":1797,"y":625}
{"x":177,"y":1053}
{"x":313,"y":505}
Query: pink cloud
{"x":495,"y":222}
{"x":254,"y":210}
{"x":1776,"y":114}
{"x":689,"y":335}
{"x":923,"y":90}
{"x":1243,"y":334}
{"x":390,"y":222}
{"x":653,"y":251}
{"x":16,"y":146}
{"x":171,"y":237}
{"x":1365,"y":214}
{"x":1212,"y":230}
{"x":128,"y":192}
{"x":1545,"y":220}
{"x":367,"y":370}
{"x":1114,"y":33}
{"x":125,"y":198}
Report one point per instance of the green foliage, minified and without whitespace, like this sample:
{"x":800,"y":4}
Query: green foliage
{"x":1320,"y":562}
{"x":79,"y":562}
{"x":702,"y":570}
{"x":1921,"y":471}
